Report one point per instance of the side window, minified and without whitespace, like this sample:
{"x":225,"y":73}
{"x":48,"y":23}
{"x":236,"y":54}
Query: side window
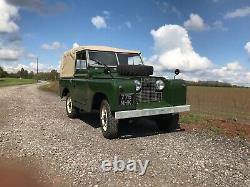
{"x":81,"y":61}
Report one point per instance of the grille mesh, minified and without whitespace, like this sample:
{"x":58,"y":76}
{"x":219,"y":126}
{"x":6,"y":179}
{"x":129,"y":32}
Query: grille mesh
{"x":148,"y":91}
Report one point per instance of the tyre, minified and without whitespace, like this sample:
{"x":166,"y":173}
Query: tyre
{"x":72,"y":111}
{"x":109,"y":124}
{"x":135,"y":70}
{"x":168,"y":123}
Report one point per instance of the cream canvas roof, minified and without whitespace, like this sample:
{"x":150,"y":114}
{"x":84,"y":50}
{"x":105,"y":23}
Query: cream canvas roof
{"x":67,"y":66}
{"x":100,"y":48}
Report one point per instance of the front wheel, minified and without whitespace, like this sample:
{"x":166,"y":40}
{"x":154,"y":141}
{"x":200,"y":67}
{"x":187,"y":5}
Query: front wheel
{"x":109,"y":124}
{"x":72,"y":111}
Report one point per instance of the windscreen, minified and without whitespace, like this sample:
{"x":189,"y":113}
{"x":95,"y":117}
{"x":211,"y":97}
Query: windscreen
{"x":129,"y":59}
{"x":108,"y":58}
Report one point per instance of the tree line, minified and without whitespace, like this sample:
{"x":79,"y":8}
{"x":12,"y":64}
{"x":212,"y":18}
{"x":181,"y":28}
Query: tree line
{"x":211,"y":84}
{"x":24,"y":74}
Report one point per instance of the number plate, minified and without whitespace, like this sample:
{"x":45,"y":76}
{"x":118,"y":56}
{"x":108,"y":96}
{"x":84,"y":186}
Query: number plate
{"x":126,"y":99}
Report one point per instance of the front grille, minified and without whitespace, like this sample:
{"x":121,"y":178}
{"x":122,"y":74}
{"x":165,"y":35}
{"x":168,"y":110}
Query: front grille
{"x":148,"y":91}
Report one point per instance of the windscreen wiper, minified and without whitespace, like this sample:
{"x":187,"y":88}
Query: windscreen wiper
{"x":105,"y":65}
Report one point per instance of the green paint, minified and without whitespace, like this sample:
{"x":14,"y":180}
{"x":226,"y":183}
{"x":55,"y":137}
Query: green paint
{"x":92,"y":84}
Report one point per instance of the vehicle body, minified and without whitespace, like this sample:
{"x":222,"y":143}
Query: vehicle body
{"x":118,"y":84}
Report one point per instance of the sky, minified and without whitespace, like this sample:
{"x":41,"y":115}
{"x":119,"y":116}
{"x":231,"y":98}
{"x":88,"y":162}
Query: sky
{"x":205,"y":39}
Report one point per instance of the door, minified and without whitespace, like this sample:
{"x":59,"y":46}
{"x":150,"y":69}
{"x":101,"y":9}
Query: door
{"x":80,"y":82}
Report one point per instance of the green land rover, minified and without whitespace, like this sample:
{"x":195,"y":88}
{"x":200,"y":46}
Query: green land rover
{"x":118,"y":84}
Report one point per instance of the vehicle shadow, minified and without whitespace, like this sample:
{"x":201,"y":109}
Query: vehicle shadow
{"x":91,"y":119}
{"x":140,"y":128}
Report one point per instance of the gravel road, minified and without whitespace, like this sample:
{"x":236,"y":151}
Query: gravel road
{"x":34,"y":127}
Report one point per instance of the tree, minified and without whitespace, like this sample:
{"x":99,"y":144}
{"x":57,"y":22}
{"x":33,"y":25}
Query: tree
{"x":22,"y":73}
{"x":53,"y":75}
{"x":3,"y":73}
{"x":25,"y":74}
{"x":31,"y":75}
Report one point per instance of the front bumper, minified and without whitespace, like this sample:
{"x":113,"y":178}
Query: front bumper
{"x":151,"y":112}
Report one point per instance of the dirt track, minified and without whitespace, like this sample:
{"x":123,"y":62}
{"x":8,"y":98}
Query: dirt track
{"x":34,"y":128}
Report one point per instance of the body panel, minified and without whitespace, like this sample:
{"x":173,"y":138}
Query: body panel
{"x":84,"y":90}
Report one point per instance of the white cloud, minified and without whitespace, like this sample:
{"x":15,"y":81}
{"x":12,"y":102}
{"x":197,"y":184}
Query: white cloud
{"x":247,"y":48}
{"x":232,"y":73}
{"x":52,"y":46}
{"x":40,"y":6}
{"x":8,"y":14}
{"x":31,"y":56}
{"x":75,"y":45}
{"x":58,"y":66}
{"x":166,"y":7}
{"x":41,"y":67}
{"x":173,"y":49}
{"x":7,"y":54}
{"x":99,"y":22}
{"x":128,"y":24}
{"x":240,"y":12}
{"x":233,"y":66}
{"x":10,"y":50}
{"x":219,"y":26}
{"x":15,"y":66}
{"x":106,"y":13}
{"x":10,"y":67}
{"x":195,"y":23}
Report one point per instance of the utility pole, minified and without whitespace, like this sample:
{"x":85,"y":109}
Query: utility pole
{"x":37,"y":69}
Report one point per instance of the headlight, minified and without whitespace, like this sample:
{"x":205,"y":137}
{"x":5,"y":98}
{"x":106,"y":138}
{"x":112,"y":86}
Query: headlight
{"x":137,"y":85}
{"x":159,"y":85}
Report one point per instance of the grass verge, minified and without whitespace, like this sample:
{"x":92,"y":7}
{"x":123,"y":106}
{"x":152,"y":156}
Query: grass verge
{"x":15,"y":81}
{"x":215,"y":126}
{"x":191,"y":118}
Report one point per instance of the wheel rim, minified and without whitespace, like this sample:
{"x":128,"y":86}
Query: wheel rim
{"x":104,"y":118}
{"x":69,"y":105}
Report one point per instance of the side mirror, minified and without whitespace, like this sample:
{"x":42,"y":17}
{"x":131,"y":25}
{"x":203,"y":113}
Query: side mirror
{"x":176,"y":72}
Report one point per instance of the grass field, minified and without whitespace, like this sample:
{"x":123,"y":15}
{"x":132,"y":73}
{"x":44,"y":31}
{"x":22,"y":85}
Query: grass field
{"x":14,"y":81}
{"x":229,"y":103}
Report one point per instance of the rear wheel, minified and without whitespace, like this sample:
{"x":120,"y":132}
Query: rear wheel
{"x":72,"y":111}
{"x":109,"y":124}
{"x":168,"y":123}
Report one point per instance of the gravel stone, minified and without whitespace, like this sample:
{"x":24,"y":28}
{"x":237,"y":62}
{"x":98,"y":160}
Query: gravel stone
{"x":68,"y":152}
